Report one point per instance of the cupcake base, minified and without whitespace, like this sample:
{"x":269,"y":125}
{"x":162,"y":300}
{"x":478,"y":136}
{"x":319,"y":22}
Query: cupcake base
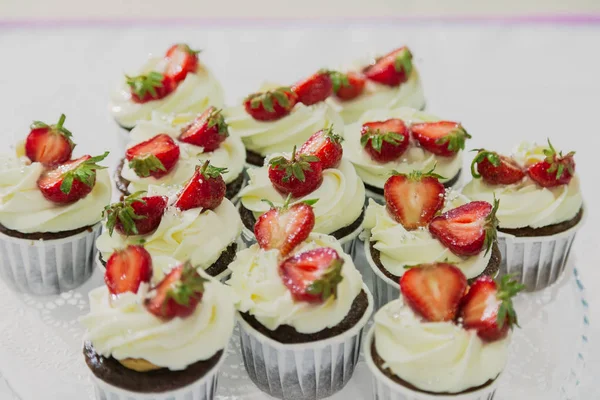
{"x":254,"y":159}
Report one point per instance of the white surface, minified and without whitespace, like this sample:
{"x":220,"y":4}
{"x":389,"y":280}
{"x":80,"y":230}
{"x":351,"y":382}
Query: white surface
{"x":505,"y":83}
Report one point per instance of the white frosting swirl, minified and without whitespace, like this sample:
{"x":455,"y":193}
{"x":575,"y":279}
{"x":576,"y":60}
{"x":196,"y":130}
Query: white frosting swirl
{"x":435,"y":356}
{"x":194,"y":94}
{"x":415,"y":158}
{"x":23,"y":207}
{"x":123,"y":328}
{"x":261,"y":291}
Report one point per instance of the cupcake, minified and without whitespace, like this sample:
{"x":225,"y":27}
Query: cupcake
{"x":386,"y":82}
{"x":541,"y":209}
{"x":316,"y":173}
{"x":174,"y":83}
{"x":50,"y":212}
{"x":403,"y":140}
{"x":167,"y":149}
{"x":302,"y":307}
{"x":156,"y":339}
{"x":435,"y":341}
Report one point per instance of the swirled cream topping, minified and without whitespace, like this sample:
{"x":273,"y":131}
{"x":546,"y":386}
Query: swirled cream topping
{"x":261,"y":291}
{"x":525,"y":203}
{"x":435,"y":356}
{"x":341,"y":196}
{"x":194,"y":94}
{"x":414,"y":159}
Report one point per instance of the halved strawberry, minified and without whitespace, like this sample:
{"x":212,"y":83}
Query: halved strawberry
{"x":392,"y":69}
{"x":557,"y":169}
{"x":312,"y":276}
{"x":178,"y":294}
{"x":326,"y":145}
{"x":314,"y":89}
{"x":271,"y":105}
{"x":298,"y":176}
{"x":205,"y":189}
{"x":442,"y":138}
{"x":71,"y":181}
{"x":127,"y":268}
{"x":181,"y":60}
{"x":135,"y":215}
{"x":468,"y":229}
{"x":496,"y":169}
{"x":385,"y":141}
{"x":208,"y":130}
{"x":49,"y":144}
{"x":434,"y":291}
{"x":154,"y":157}
{"x":285,"y":227}
{"x":350,"y":86}
{"x":414,"y":199}
{"x":153,"y":86}
{"x":488,"y":307}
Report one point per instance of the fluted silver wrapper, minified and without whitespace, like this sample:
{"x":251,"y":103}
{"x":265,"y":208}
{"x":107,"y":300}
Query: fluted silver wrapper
{"x":384,"y":289}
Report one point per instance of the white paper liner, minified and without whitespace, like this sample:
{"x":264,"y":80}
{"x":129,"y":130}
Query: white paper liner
{"x":386,"y":389}
{"x":304,"y":371}
{"x":384,"y":289}
{"x":46,"y":267}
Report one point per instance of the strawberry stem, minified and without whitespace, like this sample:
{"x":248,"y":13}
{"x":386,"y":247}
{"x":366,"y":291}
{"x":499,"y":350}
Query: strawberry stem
{"x":124,"y":213}
{"x":507,"y":289}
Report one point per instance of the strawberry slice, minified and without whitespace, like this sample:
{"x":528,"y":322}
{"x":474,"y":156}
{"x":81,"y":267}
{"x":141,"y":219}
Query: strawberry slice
{"x":271,"y":105}
{"x":434,"y":291}
{"x":154,"y":157}
{"x":178,"y":294}
{"x":348,"y":86}
{"x":385,"y":141}
{"x":71,"y":181}
{"x":181,"y":60}
{"x":468,"y":229}
{"x":298,"y":176}
{"x":153,"y":86}
{"x":127,"y":268}
{"x":49,"y":144}
{"x":314,"y":89}
{"x":442,"y":138}
{"x":414,"y":199}
{"x":496,"y":169}
{"x":312,"y":276}
{"x":557,"y":169}
{"x":205,"y":189}
{"x":208,"y":130}
{"x":488,"y":307}
{"x":135,"y":215}
{"x":285,"y":227}
{"x":326,"y":145}
{"x":393,"y":69}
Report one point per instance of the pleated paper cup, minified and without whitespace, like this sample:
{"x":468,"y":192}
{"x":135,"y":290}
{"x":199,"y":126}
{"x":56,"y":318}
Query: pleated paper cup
{"x":384,"y":289}
{"x":385,"y":388}
{"x":46,"y":267}
{"x":303,"y":371}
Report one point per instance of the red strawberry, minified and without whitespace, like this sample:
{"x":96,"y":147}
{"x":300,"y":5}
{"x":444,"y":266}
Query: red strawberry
{"x":285,"y":227}
{"x":468,"y":229}
{"x":153,"y":86}
{"x":385,"y":141}
{"x":298,"y":176}
{"x":178,"y":294}
{"x":434,"y":291}
{"x":270,"y":105}
{"x":71,"y":181}
{"x":326,"y":145}
{"x":496,"y":169}
{"x":488,"y":307}
{"x":443,"y":138}
{"x":126,"y":269}
{"x":208,"y":130}
{"x":414,"y":199}
{"x":181,"y":60}
{"x":49,"y":144}
{"x":555,"y":170}
{"x":392,"y":69}
{"x":206,"y":189}
{"x":314,"y":89}
{"x":352,"y":85}
{"x":155,"y":157}
{"x":135,"y":215}
{"x":312,"y":276}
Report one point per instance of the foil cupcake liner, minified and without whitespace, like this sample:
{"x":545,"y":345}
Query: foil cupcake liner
{"x":384,"y":289}
{"x":304,"y":371}
{"x":46,"y":267}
